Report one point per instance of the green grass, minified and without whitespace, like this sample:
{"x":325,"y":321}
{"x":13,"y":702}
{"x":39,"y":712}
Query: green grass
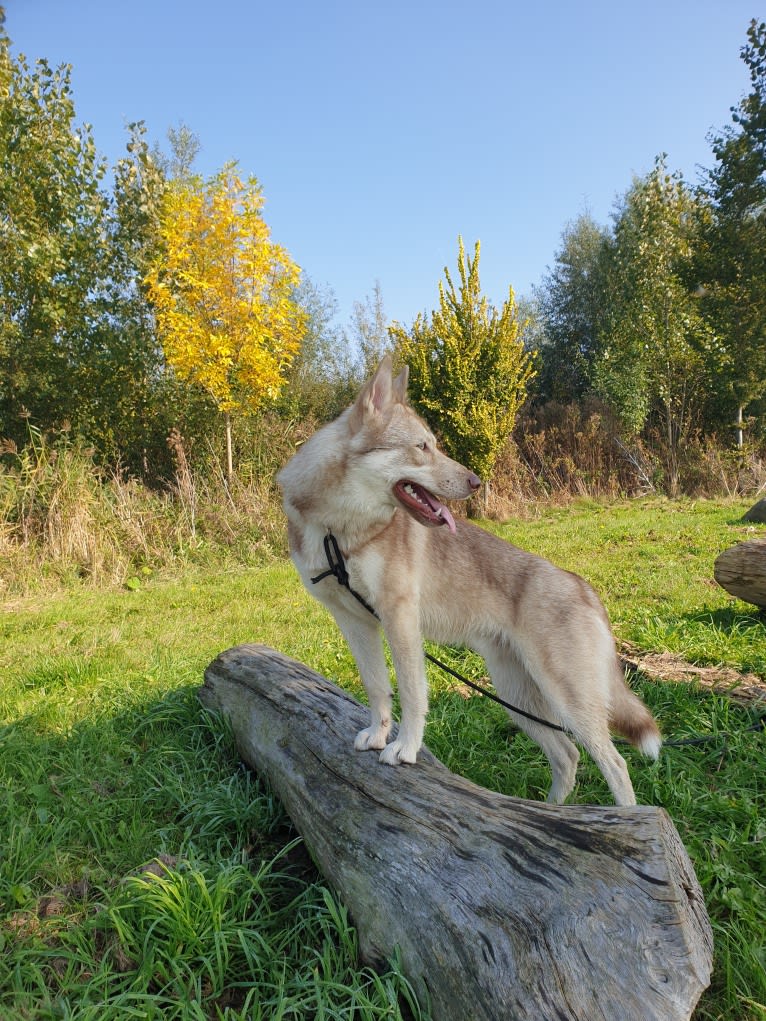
{"x":107,"y":764}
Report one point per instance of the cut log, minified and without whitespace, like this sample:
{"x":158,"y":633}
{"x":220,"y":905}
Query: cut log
{"x":499,"y":907}
{"x":741,"y":570}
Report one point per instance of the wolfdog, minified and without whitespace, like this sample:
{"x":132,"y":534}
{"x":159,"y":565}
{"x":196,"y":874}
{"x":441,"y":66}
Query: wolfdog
{"x":371,"y":480}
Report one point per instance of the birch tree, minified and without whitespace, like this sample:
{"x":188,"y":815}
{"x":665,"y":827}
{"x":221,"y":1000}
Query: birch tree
{"x":224,"y":294}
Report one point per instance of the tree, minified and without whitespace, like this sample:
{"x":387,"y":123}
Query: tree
{"x":184,"y":146}
{"x":370,"y":331}
{"x":655,"y":347}
{"x":322,"y":379}
{"x":121,"y":368}
{"x":570,"y":305}
{"x":53,"y":251}
{"x":77,"y":341}
{"x":733,"y":263}
{"x":223,"y":294}
{"x":468,"y":367}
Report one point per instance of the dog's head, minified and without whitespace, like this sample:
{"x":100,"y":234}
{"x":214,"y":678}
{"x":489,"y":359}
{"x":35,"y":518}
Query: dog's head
{"x":397,"y":446}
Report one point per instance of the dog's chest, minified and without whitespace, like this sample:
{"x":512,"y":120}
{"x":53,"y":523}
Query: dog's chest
{"x":307,"y":547}
{"x":314,"y":554}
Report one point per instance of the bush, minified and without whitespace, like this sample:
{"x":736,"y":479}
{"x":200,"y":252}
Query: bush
{"x":562,"y":451}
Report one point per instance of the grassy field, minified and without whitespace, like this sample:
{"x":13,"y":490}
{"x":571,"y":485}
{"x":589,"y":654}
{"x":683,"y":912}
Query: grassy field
{"x":145,"y":874}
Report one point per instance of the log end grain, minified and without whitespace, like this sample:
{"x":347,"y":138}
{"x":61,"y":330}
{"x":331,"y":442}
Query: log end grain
{"x":741,"y":571}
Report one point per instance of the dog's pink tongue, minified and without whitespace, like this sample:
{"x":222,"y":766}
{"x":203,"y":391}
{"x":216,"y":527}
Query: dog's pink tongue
{"x":446,"y":517}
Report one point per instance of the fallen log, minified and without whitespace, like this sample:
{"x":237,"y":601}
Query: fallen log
{"x":500,"y":907}
{"x":741,"y":570}
{"x":757,"y":513}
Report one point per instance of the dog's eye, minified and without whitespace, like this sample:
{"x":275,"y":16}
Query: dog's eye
{"x":423,"y":445}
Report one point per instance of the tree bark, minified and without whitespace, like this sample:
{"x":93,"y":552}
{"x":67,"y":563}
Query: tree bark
{"x":229,"y":449}
{"x":741,"y":570}
{"x":501,"y":908}
{"x":757,"y":513}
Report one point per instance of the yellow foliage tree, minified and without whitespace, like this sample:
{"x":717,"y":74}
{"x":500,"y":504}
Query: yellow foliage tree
{"x":223,"y":294}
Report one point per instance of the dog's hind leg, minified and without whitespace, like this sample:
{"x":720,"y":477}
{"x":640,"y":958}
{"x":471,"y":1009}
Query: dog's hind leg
{"x":598,"y":743}
{"x":593,"y":734}
{"x":562,"y":755}
{"x":587,"y":720}
{"x":560,"y":752}
{"x":514,"y":684}
{"x":365,"y":640}
{"x":589,"y":727}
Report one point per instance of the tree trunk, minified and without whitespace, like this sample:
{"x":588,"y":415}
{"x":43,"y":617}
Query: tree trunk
{"x":673,"y":441}
{"x":229,"y":453}
{"x":501,"y":908}
{"x":740,"y":435}
{"x":741,"y":570}
{"x":485,"y":494}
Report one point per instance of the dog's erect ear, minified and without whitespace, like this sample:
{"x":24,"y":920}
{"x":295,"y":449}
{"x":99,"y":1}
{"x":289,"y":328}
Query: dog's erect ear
{"x":400,"y":385}
{"x":377,"y":394}
{"x":381,"y":385}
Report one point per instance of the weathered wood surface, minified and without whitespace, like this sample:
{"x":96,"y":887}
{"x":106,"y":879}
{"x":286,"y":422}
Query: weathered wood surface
{"x":741,"y":570}
{"x":501,"y":908}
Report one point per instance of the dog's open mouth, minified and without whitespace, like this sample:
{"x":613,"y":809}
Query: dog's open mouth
{"x":423,"y":505}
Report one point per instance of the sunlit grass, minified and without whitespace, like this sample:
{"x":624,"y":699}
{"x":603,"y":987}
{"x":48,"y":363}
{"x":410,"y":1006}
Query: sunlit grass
{"x":107,"y":765}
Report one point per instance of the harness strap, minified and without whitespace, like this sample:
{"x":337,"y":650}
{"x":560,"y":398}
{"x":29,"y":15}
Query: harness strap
{"x":337,"y":569}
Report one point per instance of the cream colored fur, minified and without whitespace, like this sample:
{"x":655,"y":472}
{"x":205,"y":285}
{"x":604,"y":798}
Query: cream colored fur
{"x":542,"y":631}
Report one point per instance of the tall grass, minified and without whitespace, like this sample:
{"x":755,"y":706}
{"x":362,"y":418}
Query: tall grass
{"x":62,"y":517}
{"x":145,"y":875}
{"x":566,"y":451}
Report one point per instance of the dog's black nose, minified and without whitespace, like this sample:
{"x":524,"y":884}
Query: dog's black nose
{"x":474,"y":481}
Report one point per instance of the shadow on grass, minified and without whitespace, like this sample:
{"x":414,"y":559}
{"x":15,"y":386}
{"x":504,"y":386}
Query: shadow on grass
{"x":731,"y":619}
{"x":83,"y":808}
{"x":141,"y":857}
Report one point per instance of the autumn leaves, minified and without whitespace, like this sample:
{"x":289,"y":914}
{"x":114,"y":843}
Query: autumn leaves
{"x":223,"y":292}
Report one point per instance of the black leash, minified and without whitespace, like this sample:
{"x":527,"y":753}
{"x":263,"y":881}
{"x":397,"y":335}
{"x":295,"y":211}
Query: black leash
{"x":337,"y":570}
{"x":760,"y":724}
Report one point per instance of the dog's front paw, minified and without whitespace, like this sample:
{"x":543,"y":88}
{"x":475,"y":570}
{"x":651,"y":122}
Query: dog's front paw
{"x":398,"y":751}
{"x":371,"y":738}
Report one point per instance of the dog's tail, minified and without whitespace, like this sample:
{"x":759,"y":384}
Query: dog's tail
{"x":630,"y":717}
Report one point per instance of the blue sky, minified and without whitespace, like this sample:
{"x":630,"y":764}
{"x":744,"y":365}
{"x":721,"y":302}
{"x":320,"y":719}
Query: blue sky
{"x":380,"y":132}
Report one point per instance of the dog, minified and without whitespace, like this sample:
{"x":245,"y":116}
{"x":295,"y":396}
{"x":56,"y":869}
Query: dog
{"x":373,"y":483}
